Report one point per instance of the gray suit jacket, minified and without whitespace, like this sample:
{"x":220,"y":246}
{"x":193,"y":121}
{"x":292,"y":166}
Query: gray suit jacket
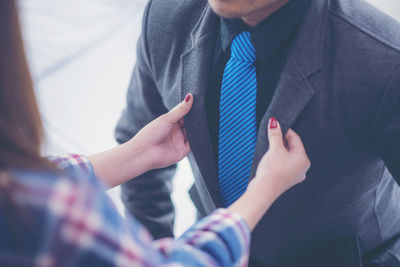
{"x":340,"y":90}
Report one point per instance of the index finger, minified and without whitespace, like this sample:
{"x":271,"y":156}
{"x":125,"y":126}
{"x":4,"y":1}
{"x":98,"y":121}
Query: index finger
{"x":294,"y":141}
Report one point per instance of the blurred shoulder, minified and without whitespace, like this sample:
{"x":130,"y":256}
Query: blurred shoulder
{"x":177,"y":9}
{"x":36,"y":187}
{"x":172,"y":17}
{"x":167,"y":32}
{"x":368,"y":23}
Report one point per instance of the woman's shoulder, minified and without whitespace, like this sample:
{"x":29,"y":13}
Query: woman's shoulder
{"x":32,"y":203}
{"x":48,"y":191}
{"x":41,"y":207}
{"x":72,"y":183}
{"x":35,"y":182}
{"x":42,"y":191}
{"x":42,"y":182}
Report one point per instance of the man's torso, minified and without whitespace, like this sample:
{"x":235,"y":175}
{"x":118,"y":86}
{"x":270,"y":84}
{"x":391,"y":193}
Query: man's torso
{"x":328,"y":92}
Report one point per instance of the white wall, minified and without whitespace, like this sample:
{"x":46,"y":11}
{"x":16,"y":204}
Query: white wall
{"x":391,"y":7}
{"x":81,"y":55}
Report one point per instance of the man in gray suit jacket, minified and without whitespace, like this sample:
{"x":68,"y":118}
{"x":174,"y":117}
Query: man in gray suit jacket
{"x":330,"y":69}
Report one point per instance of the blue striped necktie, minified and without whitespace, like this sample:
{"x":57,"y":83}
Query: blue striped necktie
{"x":237,"y":120}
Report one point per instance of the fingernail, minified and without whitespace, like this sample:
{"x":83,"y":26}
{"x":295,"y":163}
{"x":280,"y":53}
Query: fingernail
{"x":187,"y":98}
{"x":273,"y":123}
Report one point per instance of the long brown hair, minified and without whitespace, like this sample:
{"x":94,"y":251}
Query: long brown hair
{"x":21,"y":130}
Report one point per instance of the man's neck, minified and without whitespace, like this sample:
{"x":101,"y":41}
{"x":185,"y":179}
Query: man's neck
{"x":254,"y":18}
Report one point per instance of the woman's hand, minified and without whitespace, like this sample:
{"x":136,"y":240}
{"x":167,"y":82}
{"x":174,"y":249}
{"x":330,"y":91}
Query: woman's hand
{"x":159,"y":144}
{"x":286,"y":162}
{"x":164,"y":140}
{"x":283,"y":166}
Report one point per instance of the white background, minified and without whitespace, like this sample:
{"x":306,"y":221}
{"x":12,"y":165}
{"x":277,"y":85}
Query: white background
{"x":81,"y":55}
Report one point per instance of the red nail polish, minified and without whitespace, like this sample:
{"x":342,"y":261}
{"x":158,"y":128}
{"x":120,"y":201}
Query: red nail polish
{"x":273,"y":124}
{"x":187,"y":98}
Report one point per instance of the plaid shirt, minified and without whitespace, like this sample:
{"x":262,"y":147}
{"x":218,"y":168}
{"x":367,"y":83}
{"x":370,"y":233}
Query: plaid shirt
{"x":49,"y":219}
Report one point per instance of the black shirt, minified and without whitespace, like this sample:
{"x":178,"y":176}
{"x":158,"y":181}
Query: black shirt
{"x":272,"y":39}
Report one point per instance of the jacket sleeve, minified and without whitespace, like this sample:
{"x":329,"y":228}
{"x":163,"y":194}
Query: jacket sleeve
{"x":386,"y":127}
{"x":148,"y":196}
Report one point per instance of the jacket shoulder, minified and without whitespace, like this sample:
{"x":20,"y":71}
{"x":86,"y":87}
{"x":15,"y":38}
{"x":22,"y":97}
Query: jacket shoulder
{"x":168,"y":25}
{"x":173,"y":17}
{"x":368,"y":21}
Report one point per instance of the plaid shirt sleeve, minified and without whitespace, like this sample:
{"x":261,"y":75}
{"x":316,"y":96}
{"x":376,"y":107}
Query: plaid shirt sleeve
{"x":90,"y":232}
{"x":75,"y":164}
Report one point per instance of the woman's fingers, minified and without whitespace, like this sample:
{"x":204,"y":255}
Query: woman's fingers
{"x":183,"y":129}
{"x":274,"y":134}
{"x":294,"y":141}
{"x":296,"y":145}
{"x":185,"y":135}
{"x":180,"y":110}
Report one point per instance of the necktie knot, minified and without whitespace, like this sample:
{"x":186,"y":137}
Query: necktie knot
{"x":242,"y":48}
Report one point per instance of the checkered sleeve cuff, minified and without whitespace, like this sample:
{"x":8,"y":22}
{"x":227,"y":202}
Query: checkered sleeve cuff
{"x":74,"y":163}
{"x":224,"y":235}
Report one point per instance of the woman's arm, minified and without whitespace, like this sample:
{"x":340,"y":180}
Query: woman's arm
{"x":220,"y":239}
{"x":116,"y":166}
{"x":90,"y":231}
{"x":159,"y":144}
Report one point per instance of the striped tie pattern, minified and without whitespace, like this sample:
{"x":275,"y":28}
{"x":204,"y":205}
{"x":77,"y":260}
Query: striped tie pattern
{"x":237,"y":121}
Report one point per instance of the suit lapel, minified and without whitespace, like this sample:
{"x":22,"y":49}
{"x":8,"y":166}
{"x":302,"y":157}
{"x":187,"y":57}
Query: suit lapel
{"x":294,"y":91}
{"x":291,"y":96}
{"x":197,"y":63}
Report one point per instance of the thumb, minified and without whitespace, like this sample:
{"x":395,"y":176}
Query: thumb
{"x":275,"y":136}
{"x":180,"y":110}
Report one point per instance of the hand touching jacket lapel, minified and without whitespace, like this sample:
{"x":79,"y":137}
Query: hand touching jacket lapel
{"x":294,"y":91}
{"x":291,"y":96}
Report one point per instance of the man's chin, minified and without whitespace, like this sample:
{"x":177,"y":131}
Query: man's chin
{"x":229,"y":15}
{"x":223,"y":11}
